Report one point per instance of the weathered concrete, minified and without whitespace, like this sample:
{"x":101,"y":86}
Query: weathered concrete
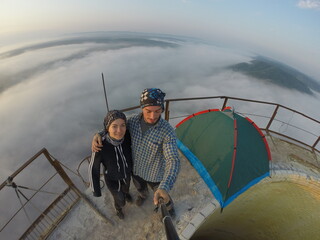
{"x":284,"y":206}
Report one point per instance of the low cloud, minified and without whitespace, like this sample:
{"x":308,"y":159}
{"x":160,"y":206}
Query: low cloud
{"x":57,"y":100}
{"x":52,"y":96}
{"x":309,"y":4}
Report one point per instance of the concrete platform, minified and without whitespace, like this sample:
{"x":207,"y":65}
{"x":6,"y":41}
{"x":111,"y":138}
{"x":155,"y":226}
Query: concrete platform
{"x":284,"y":206}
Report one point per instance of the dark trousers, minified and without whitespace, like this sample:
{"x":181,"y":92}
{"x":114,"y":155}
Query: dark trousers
{"x":119,"y":190}
{"x":142,"y":187}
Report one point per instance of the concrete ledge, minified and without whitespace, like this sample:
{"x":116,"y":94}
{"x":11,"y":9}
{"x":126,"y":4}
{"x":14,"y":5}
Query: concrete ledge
{"x":293,"y":175}
{"x":188,"y":231}
{"x":198,"y":219}
{"x":206,"y":211}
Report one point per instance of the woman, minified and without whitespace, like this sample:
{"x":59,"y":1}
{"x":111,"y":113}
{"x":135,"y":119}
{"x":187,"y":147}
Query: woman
{"x":116,"y":159}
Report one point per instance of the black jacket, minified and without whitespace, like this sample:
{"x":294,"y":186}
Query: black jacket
{"x":117,"y":163}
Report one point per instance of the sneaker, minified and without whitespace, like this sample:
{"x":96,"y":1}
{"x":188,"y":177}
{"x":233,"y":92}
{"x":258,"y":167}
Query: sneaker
{"x":120,"y":213}
{"x":128,"y":198}
{"x":140,"y":200}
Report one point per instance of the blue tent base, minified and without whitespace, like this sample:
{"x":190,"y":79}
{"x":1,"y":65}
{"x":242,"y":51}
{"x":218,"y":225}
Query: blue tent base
{"x":196,"y":163}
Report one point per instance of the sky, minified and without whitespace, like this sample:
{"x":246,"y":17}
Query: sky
{"x":287,"y":30}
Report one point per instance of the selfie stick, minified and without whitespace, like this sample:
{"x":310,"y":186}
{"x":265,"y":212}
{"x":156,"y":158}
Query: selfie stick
{"x":171,"y":232}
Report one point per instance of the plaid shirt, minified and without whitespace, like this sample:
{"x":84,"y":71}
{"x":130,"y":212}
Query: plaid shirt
{"x":155,"y":153}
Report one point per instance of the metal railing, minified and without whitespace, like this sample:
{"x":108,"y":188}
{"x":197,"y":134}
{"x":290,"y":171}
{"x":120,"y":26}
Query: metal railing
{"x":313,"y":138}
{"x":56,"y":208}
{"x":50,"y":216}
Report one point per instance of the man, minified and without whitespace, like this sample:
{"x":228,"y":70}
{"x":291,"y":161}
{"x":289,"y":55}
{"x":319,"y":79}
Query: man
{"x":156,"y":161}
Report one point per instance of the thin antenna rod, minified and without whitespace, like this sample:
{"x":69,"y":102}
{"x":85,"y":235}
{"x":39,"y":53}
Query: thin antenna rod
{"x":105,"y":93}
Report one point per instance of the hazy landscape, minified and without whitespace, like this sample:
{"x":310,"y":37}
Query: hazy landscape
{"x":278,"y":73}
{"x":52,"y":96}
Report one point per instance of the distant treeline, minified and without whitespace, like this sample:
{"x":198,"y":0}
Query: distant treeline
{"x":277,"y":73}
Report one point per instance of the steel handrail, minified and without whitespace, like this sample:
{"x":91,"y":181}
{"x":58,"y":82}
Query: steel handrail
{"x":226,"y":98}
{"x":267,"y":129}
{"x":59,"y":171}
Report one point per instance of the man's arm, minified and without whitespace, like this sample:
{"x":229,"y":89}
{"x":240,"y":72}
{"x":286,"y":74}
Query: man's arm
{"x":96,"y":143}
{"x":172,"y":161}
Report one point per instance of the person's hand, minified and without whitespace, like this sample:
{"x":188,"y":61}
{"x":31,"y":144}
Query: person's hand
{"x":160,"y":193}
{"x":96,"y":144}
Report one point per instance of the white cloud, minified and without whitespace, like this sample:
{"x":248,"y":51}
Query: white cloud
{"x":312,"y":4}
{"x":62,"y":105}
{"x":58,"y":100}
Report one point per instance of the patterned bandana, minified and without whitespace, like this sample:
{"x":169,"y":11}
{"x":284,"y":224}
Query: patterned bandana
{"x":111,"y":116}
{"x":152,"y":97}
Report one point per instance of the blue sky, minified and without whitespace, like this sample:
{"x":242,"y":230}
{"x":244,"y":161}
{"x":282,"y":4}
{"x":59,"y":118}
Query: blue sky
{"x":287,"y":30}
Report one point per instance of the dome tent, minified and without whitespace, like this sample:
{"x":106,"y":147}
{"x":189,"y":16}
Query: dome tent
{"x":229,"y":151}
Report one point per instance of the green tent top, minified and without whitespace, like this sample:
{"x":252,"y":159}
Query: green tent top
{"x":229,"y":151}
